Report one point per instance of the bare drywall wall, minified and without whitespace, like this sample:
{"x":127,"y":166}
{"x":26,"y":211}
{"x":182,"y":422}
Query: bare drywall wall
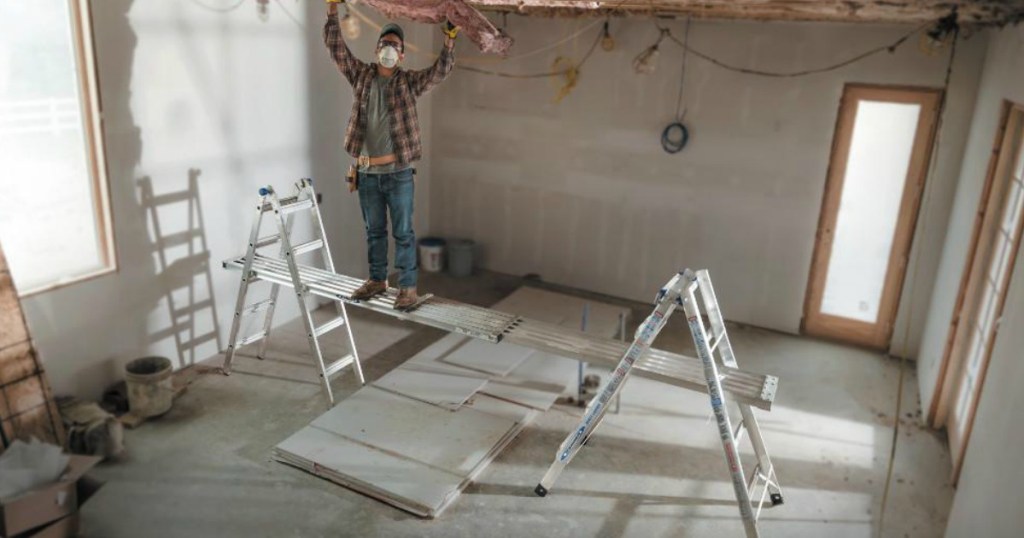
{"x":1003,"y":78}
{"x":582,"y":193}
{"x":987,"y":502}
{"x":225,"y":101}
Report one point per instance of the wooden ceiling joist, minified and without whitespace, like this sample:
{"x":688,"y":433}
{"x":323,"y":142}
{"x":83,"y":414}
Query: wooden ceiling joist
{"x":971,"y":12}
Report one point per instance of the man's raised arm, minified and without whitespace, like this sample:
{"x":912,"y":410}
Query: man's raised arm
{"x":349,"y":65}
{"x":424,"y":80}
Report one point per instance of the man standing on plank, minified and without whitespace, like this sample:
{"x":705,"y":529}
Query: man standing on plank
{"x":383,"y":134}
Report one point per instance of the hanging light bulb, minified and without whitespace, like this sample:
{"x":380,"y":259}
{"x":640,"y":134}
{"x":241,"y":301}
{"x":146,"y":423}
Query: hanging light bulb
{"x":607,"y":42}
{"x":262,"y":8}
{"x":350,"y":25}
{"x":647,"y":61}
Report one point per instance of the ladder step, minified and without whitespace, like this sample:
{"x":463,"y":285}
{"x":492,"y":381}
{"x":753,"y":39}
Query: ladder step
{"x":252,"y":338}
{"x":315,"y":244}
{"x":251,"y":309}
{"x":329,"y":326}
{"x":269,"y":240}
{"x":296,"y":206}
{"x":338,"y":365}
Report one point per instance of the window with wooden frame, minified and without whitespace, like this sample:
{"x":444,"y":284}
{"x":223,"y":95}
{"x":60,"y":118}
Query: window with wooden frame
{"x":56,"y":225}
{"x":880,"y":154}
{"x":994,"y":248}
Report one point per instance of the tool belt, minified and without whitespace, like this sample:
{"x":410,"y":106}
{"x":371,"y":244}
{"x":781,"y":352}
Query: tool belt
{"x":363,"y":163}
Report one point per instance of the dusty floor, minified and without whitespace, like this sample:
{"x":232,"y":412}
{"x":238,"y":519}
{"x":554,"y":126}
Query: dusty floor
{"x":655,"y":469}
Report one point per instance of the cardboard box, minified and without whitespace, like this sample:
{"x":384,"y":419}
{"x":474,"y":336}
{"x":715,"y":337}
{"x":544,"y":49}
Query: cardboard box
{"x":46,"y":504}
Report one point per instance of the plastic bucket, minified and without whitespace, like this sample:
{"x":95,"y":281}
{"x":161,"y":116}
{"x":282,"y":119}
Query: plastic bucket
{"x":149,"y":386}
{"x":460,"y":257}
{"x":432,"y":254}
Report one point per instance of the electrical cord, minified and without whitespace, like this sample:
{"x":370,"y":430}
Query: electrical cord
{"x":788,"y":74}
{"x":674,"y":144}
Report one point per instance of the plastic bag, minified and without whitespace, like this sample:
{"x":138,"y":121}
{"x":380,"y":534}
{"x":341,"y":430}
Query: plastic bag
{"x":24,"y":466}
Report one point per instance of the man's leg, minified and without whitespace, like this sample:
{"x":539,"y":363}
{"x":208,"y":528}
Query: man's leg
{"x":400,"y":204}
{"x":373,"y":202}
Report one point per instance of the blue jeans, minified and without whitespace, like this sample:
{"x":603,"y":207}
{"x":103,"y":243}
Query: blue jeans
{"x":379,"y":195}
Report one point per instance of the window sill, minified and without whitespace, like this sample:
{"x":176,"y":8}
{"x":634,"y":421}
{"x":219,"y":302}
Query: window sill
{"x":69,"y":282}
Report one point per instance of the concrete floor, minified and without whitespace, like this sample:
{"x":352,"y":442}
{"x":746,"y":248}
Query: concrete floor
{"x":656,"y":469}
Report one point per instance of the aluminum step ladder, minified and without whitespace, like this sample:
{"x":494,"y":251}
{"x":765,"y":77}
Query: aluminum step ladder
{"x":682,"y":291}
{"x":283,"y":211}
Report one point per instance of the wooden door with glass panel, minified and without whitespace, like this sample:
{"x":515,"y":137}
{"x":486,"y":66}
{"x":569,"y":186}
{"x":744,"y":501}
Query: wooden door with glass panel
{"x":880,"y":156}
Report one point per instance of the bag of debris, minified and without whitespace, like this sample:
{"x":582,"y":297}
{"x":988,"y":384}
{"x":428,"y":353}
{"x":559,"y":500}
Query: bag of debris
{"x":91,"y":430}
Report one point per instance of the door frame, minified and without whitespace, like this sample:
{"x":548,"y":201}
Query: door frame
{"x":990,"y":209}
{"x":939,"y":408}
{"x":879,"y":334}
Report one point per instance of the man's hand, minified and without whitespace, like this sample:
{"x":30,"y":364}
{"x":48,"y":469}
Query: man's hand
{"x":332,"y":6}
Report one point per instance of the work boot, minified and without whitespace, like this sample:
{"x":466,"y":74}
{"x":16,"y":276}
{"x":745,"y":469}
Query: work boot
{"x":407,"y":298}
{"x":369,"y":290}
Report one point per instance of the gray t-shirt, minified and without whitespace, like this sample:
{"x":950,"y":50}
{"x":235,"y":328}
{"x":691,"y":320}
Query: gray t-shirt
{"x":378,"y":127}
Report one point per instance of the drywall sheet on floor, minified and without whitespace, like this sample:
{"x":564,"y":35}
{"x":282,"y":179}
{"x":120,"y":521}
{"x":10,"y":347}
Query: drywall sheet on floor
{"x":440,"y":389}
{"x":416,"y":437}
{"x":488,"y":358}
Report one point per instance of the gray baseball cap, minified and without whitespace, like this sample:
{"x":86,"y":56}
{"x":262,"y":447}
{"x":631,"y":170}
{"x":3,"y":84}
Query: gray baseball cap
{"x":392,"y":28}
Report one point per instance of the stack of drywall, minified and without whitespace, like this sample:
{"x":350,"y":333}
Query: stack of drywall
{"x":417,"y":436}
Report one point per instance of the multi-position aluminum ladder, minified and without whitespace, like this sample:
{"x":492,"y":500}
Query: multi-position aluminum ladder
{"x":681,"y":291}
{"x":284,"y":210}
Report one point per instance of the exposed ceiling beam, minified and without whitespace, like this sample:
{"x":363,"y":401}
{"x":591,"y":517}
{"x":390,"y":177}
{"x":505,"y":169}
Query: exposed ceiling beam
{"x":972,"y":12}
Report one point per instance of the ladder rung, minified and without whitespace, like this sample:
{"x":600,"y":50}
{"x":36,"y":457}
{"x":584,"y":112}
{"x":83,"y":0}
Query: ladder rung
{"x":315,"y":244}
{"x":338,"y":365}
{"x":269,"y":240}
{"x":252,"y":338}
{"x":329,"y":326}
{"x":251,"y":309}
{"x":296,"y":206}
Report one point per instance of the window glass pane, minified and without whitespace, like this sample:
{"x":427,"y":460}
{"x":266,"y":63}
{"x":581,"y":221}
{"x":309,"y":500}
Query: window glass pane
{"x":988,"y":305}
{"x":1000,"y":260}
{"x":48,"y":226}
{"x":1012,"y":213}
{"x":876,"y":171}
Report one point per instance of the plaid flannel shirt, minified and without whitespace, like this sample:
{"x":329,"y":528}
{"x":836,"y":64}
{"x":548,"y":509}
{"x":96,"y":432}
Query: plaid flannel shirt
{"x":407,"y":86}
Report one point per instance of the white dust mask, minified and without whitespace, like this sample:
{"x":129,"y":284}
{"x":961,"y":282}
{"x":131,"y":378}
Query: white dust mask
{"x":388,"y":56}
